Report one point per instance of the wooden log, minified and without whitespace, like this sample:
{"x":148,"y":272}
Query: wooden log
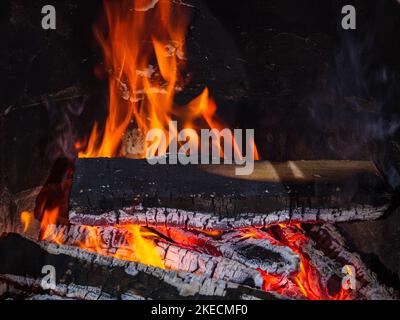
{"x":327,"y":238}
{"x":84,"y":275}
{"x":265,"y":254}
{"x":327,"y":254}
{"x":233,"y":261}
{"x":108,"y":191}
{"x":174,"y":257}
{"x":53,"y":193}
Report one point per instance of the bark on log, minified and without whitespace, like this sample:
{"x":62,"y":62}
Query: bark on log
{"x":84,"y":275}
{"x":202,"y":196}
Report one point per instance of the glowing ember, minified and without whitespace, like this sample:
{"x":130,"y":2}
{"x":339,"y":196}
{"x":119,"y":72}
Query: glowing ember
{"x":308,"y":278}
{"x":135,"y":243}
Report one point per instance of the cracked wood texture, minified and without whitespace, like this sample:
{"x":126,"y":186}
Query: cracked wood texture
{"x":84,"y":275}
{"x":296,"y":190}
{"x":234,"y":258}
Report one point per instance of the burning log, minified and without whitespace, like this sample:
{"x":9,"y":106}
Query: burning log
{"x":318,"y":252}
{"x":231,"y":260}
{"x":334,"y":247}
{"x":84,"y":275}
{"x":112,"y":191}
{"x":264,"y":254}
{"x":322,"y":271}
{"x":304,"y":268}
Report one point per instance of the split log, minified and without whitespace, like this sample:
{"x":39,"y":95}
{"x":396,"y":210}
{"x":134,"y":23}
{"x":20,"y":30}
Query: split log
{"x":265,"y":254}
{"x":234,"y":261}
{"x":107,"y":191}
{"x":321,"y":274}
{"x":84,"y":275}
{"x":334,"y":246}
{"x":174,"y":257}
{"x":327,"y":255}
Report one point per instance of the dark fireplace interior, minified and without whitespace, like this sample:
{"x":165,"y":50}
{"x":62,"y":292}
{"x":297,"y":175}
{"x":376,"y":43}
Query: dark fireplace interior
{"x":321,"y":204}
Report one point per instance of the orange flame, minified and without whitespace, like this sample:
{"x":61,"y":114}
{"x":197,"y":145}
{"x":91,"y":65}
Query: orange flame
{"x":144,"y":52}
{"x":138,"y":245}
{"x":144,"y":248}
{"x":49,"y":219}
{"x":307,"y":279}
{"x":26,"y":217}
{"x":48,"y":226}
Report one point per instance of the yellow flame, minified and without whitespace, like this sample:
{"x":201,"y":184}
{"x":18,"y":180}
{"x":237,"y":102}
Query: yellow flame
{"x":144,"y":249}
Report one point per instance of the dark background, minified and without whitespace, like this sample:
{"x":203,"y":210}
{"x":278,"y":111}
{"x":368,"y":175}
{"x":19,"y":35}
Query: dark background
{"x":283,"y":67}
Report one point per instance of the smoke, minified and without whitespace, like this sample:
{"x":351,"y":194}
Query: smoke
{"x":63,"y":132}
{"x":357,"y":100}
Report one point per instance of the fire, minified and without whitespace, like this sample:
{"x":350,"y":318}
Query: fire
{"x":144,"y":248}
{"x":139,"y":245}
{"x":144,"y":55}
{"x":212,"y":233}
{"x":308,"y":277}
{"x":26,"y":217}
{"x":49,"y":219}
{"x":306,"y":281}
{"x":144,"y":52}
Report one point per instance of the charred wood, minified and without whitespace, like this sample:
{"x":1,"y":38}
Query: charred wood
{"x":334,"y":246}
{"x":265,"y":254}
{"x":85,"y":275}
{"x":211,"y":196}
{"x":235,"y":261}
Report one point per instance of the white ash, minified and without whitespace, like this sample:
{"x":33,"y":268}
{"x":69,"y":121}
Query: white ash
{"x":233,"y":245}
{"x":181,"y":259}
{"x":132,"y":296}
{"x":288,"y":264}
{"x":43,"y":297}
{"x":205,"y":221}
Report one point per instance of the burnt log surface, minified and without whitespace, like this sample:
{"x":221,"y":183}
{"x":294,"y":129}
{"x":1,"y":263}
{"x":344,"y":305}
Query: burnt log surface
{"x":84,"y":275}
{"x":232,"y":260}
{"x":343,"y":189}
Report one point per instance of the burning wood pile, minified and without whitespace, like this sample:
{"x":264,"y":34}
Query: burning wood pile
{"x":114,"y":226}
{"x":227,"y":245}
